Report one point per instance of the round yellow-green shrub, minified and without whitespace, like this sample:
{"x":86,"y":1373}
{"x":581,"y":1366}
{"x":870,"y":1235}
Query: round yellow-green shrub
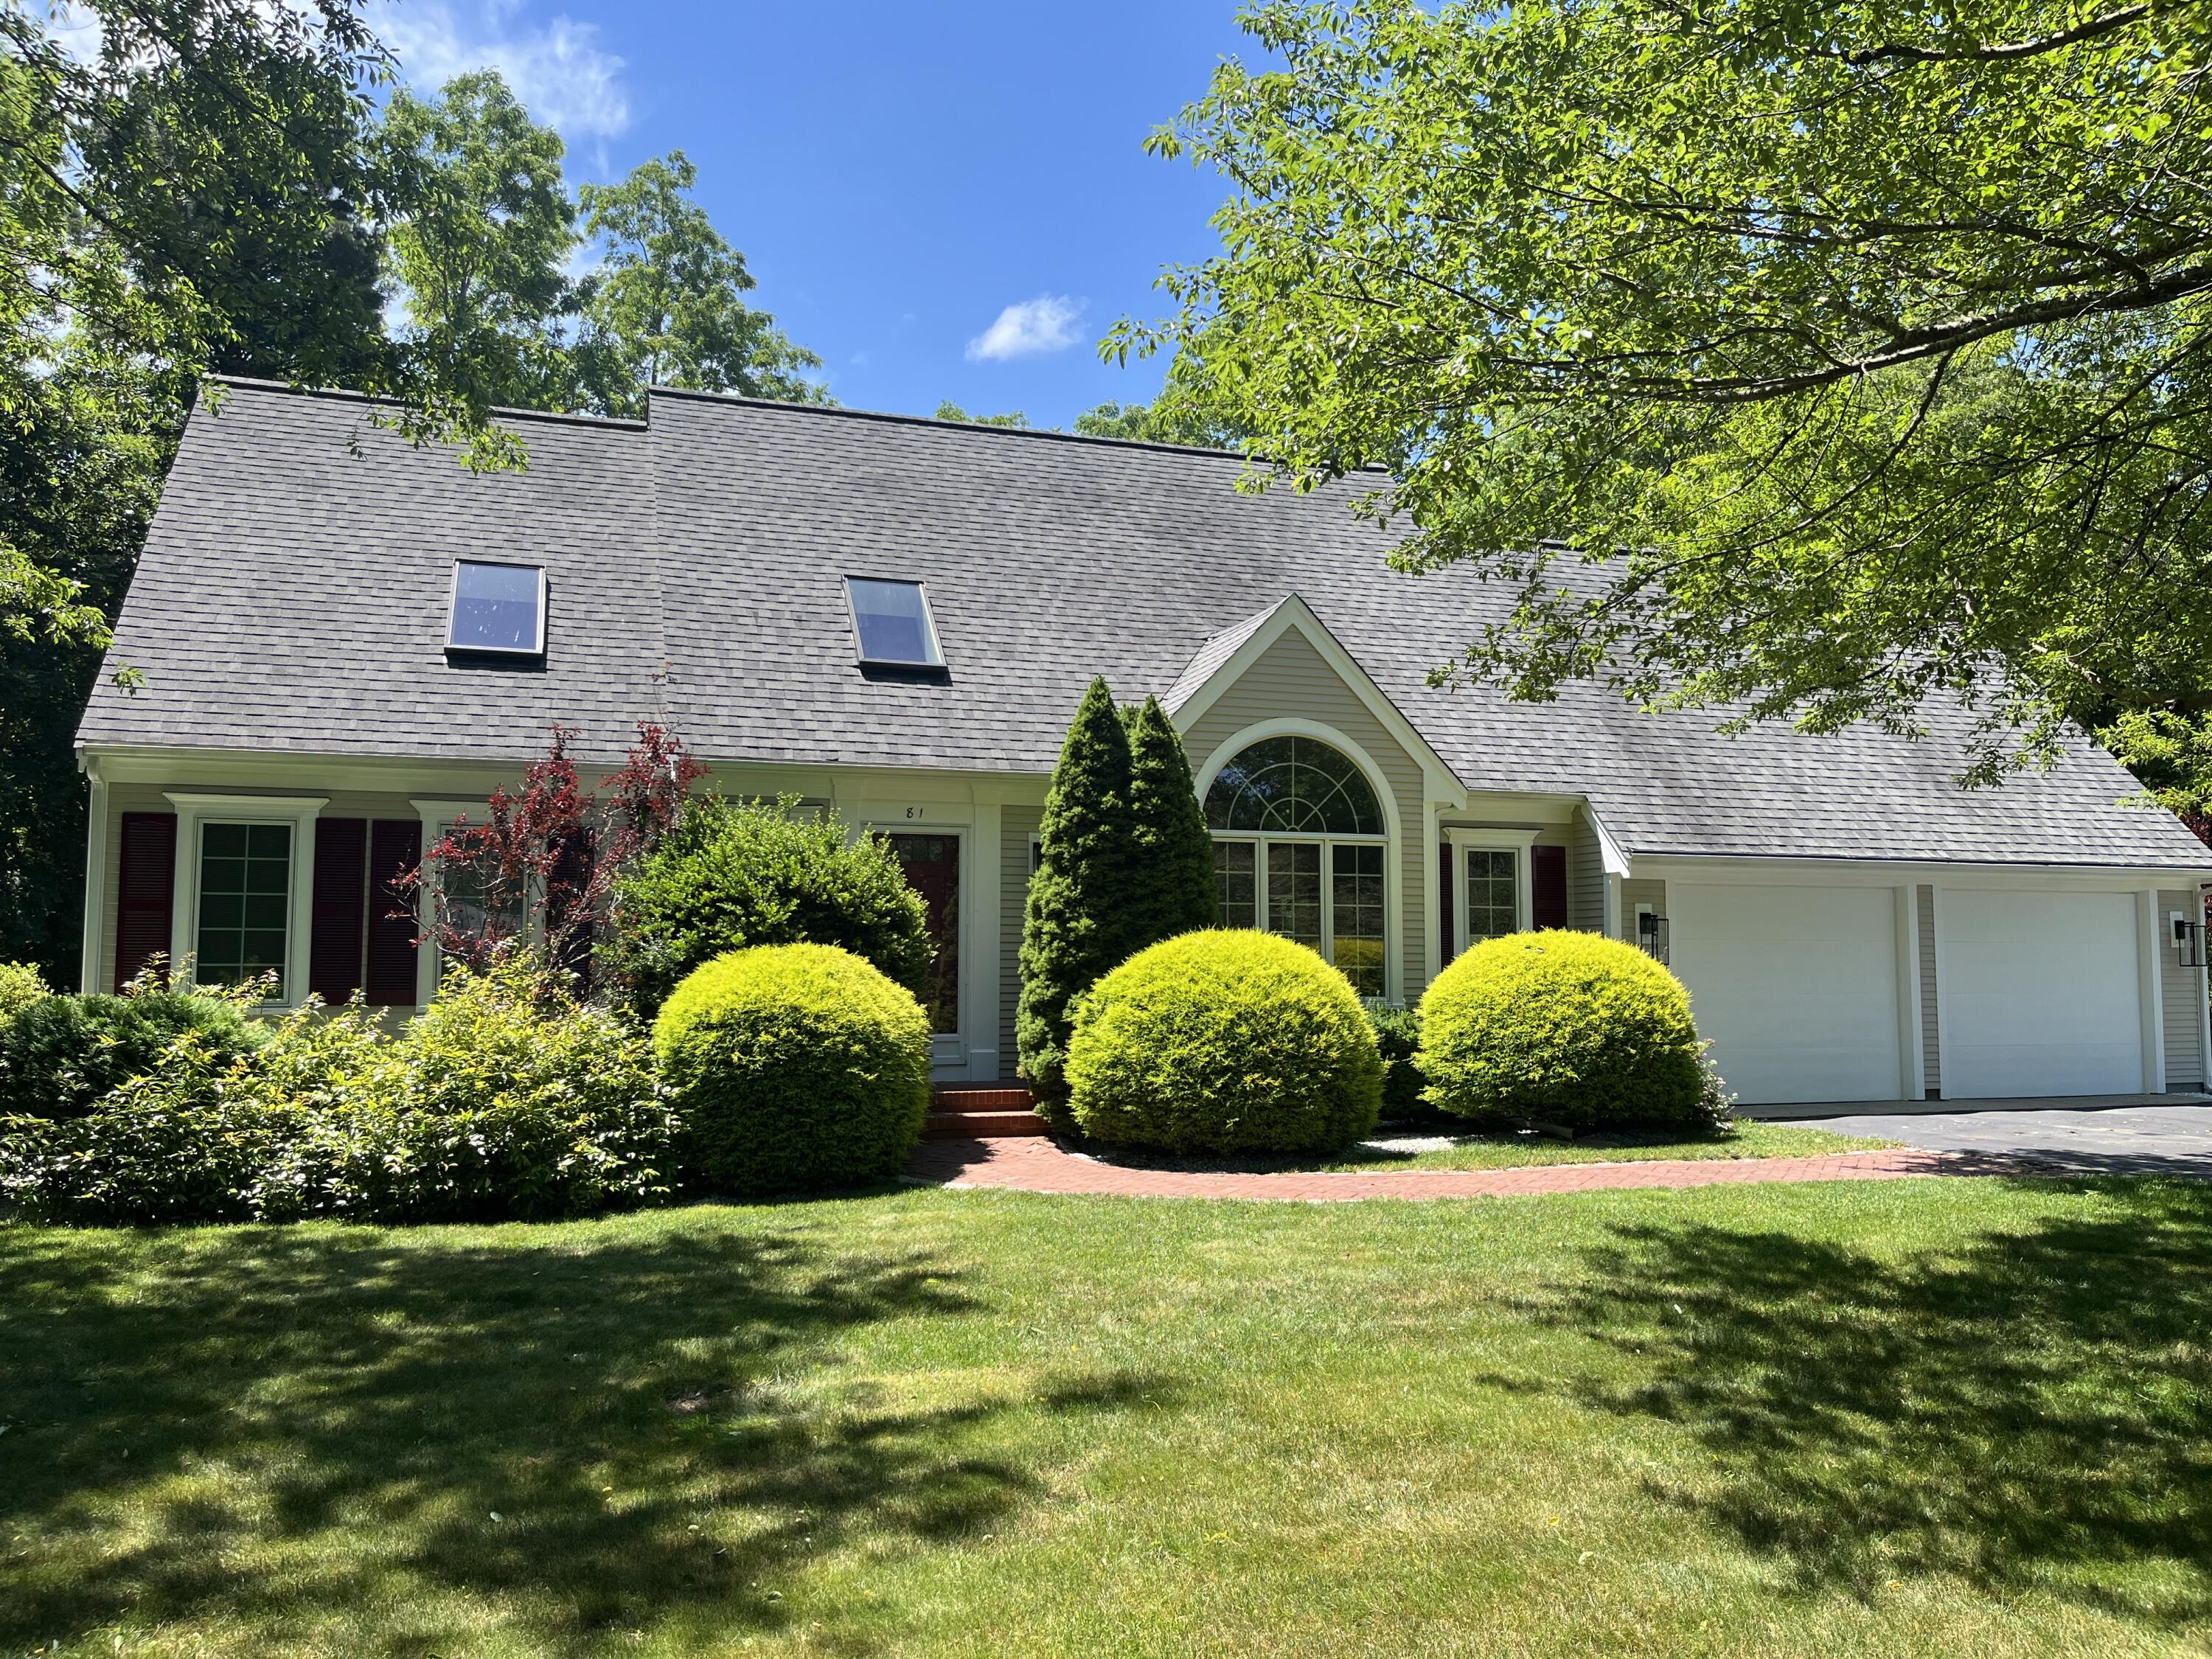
{"x":1564,"y":1028}
{"x":1225,"y":1039}
{"x":792,"y":1068}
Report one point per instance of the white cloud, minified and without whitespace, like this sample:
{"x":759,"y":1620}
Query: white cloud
{"x":558,"y":69}
{"x":1029,"y":329}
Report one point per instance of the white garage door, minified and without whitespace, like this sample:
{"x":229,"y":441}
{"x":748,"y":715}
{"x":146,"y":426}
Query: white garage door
{"x":1796,"y":988}
{"x":2038,"y":992}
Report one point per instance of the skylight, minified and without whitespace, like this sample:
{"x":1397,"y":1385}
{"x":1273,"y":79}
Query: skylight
{"x":891,"y":620}
{"x":497,"y":607}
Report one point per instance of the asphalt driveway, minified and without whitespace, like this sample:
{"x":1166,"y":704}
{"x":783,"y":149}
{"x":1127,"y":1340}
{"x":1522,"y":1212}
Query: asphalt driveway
{"x":2173,"y":1137}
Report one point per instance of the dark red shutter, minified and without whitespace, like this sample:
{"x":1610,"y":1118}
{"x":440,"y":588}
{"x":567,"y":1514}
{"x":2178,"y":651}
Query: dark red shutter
{"x":1445,"y":855}
{"x":1547,"y":877}
{"x":145,"y":888}
{"x":395,"y":847}
{"x":341,"y":895}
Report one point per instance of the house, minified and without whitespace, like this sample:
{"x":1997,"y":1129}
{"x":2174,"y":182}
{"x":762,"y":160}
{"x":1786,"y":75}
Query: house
{"x":346,"y":642}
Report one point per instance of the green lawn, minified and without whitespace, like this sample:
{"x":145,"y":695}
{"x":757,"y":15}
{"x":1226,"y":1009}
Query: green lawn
{"x":1749,"y":1139}
{"x":1918,"y":1417}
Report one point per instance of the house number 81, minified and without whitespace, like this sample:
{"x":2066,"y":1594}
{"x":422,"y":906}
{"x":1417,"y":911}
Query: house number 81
{"x":916,"y":812}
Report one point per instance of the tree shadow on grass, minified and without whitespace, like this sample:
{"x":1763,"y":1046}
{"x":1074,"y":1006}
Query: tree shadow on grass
{"x":585,"y":1429}
{"x":2029,"y":1408}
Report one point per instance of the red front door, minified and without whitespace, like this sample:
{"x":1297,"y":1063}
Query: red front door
{"x":931,"y":864}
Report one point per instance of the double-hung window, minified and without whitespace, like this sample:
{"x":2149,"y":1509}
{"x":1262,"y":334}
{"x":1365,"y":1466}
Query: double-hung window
{"x":245,"y":868}
{"x":1492,"y":871}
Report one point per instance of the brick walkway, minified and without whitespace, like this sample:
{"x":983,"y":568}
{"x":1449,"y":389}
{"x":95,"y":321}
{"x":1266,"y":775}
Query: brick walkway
{"x":1035,"y":1164}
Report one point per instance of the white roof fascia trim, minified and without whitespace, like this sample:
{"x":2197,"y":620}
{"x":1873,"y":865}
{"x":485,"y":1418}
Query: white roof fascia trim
{"x":1610,"y":856}
{"x":1292,"y":612}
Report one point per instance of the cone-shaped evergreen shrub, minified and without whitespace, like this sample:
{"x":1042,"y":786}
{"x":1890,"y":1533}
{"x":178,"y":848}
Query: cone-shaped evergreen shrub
{"x":1173,"y":848}
{"x":1076,"y":925}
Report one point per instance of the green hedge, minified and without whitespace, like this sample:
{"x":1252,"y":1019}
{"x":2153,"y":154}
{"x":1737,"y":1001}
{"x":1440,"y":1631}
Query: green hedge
{"x":1224,"y":1040}
{"x":736,"y":874}
{"x":1398,"y":1038}
{"x":59,"y":1055}
{"x":1564,"y":1028}
{"x":21,"y":985}
{"x":793,"y":1067}
{"x":505,"y":1100}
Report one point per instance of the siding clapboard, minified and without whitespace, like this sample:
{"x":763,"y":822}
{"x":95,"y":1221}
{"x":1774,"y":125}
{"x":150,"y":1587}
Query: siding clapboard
{"x":2179,"y":989}
{"x":1291,"y":679}
{"x":1585,"y":877}
{"x":1016,"y":825}
{"x":1932,"y":1052}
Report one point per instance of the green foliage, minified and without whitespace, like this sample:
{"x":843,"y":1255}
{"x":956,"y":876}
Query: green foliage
{"x":739,"y":873}
{"x":1227,"y":1040}
{"x":1074,"y":927}
{"x":1802,"y":360}
{"x":666,"y":306}
{"x":1564,"y":1028}
{"x":479,"y":254}
{"x":1398,"y":1039}
{"x":1171,"y":848}
{"x":793,"y":1068}
{"x":21,"y":985}
{"x":948,"y":410}
{"x":59,"y":1055}
{"x":503,"y":1100}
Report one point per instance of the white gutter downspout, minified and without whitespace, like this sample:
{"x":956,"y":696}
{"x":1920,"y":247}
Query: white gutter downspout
{"x":95,"y":877}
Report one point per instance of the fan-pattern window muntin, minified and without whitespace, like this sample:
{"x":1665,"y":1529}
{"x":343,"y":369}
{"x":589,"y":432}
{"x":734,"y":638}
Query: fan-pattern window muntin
{"x":1299,"y":850}
{"x":245,"y":903}
{"x":1296,"y":786}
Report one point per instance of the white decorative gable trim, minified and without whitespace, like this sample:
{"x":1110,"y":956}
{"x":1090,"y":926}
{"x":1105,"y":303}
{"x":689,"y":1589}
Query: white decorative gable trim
{"x":1222,"y":660}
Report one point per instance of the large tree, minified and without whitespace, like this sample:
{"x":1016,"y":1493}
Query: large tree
{"x":1798,"y":359}
{"x":480,"y":251}
{"x":665,"y":305}
{"x":182,"y":188}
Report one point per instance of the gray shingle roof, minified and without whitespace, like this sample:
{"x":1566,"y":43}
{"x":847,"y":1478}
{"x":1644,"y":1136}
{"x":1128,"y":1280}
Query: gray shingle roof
{"x":1213,"y":655}
{"x":292,"y":596}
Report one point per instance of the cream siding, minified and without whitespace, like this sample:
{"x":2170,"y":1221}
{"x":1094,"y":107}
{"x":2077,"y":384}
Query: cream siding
{"x":2181,"y":991}
{"x":1633,"y":893}
{"x":1585,"y":876}
{"x":1016,"y":825}
{"x":1293,"y":680}
{"x":1931,"y":1050}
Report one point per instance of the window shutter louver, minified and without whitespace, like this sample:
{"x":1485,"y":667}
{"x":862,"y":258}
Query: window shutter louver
{"x":395,"y":847}
{"x":1548,"y":880}
{"x":145,"y":890}
{"x":334,"y":938}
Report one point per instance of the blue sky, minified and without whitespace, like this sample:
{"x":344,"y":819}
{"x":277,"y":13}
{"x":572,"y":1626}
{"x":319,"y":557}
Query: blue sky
{"x":943,"y":201}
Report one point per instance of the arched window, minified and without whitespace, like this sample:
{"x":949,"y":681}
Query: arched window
{"x":1300,"y":850}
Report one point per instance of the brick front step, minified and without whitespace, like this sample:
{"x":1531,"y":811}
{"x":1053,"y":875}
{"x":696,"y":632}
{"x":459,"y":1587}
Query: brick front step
{"x":969,"y":1125}
{"x":979,"y":1098}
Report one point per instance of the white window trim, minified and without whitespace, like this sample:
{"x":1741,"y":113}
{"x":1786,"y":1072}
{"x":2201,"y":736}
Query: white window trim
{"x":928,"y":624}
{"x":1261,"y":840}
{"x":438,"y":819}
{"x":536,"y":648}
{"x":298,"y":812}
{"x":1517,"y":841}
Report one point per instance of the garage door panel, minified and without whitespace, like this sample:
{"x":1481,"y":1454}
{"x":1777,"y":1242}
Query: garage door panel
{"x":1795,"y":987}
{"x":2040,"y":993}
